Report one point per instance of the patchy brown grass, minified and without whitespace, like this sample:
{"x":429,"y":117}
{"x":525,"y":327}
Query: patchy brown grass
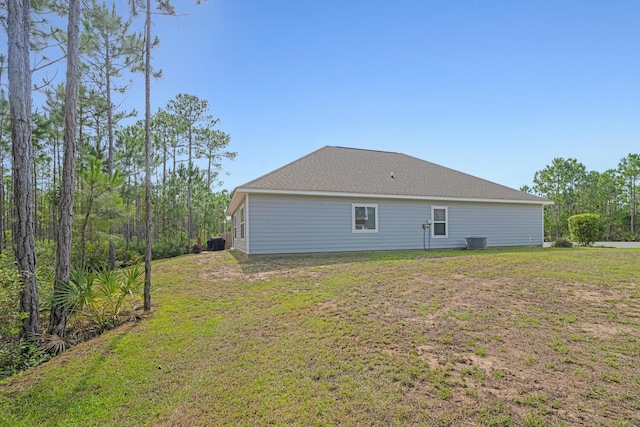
{"x":505,"y":338}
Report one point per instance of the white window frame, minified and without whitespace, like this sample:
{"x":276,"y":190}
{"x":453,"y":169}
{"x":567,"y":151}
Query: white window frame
{"x":445,"y":222}
{"x":243,"y":220}
{"x":353,"y":217}
{"x":235,"y":225}
{"x":239,"y":231}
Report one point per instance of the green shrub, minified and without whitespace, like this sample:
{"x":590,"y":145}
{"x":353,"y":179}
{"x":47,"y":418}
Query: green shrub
{"x":166,"y":248}
{"x":629,"y":237}
{"x":20,"y":357}
{"x":97,"y":255}
{"x":117,"y":287}
{"x":563,"y":242}
{"x":15,"y":355}
{"x":78,"y":293}
{"x":10,"y":318}
{"x":163,"y":247}
{"x":10,"y":287}
{"x":129,"y":257}
{"x":100,"y":298}
{"x":46,"y":256}
{"x":584,"y":228}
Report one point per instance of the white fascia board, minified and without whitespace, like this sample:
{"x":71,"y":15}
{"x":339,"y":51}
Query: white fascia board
{"x":382,"y":196}
{"x":236,"y":201}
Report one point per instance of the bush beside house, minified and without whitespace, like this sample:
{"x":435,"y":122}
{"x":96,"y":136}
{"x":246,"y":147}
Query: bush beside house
{"x":584,"y":228}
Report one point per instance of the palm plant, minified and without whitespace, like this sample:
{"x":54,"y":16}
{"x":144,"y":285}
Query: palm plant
{"x":115,"y":288}
{"x":100,"y":297}
{"x":78,"y":293}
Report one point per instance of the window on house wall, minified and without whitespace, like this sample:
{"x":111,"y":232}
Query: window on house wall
{"x":235,"y":226}
{"x":440,"y":225}
{"x":364,"y":218}
{"x":238,"y":224}
{"x":242,"y":223}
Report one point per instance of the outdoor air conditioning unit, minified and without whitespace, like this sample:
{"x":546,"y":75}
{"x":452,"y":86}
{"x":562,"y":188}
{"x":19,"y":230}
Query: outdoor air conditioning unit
{"x":476,"y":242}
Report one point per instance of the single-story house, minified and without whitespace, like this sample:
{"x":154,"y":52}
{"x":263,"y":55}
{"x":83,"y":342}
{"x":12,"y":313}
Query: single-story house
{"x":346,"y":199}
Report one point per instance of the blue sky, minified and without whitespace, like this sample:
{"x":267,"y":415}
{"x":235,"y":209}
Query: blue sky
{"x":496,"y":89}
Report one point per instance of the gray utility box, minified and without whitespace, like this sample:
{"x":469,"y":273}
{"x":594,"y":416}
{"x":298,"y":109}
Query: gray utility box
{"x":476,"y":242}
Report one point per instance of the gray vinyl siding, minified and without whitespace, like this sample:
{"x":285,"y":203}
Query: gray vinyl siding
{"x":294,"y":224}
{"x":239,"y":243}
{"x":501,"y":224}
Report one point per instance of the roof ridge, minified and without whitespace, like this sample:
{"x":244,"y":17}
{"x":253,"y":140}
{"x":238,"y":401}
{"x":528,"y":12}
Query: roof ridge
{"x":364,"y":149}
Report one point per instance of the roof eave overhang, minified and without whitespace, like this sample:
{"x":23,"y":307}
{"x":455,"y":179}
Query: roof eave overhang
{"x":236,"y":200}
{"x":240,"y":192}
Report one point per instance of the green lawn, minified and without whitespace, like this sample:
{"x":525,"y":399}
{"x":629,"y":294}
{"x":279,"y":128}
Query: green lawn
{"x":529,"y":337}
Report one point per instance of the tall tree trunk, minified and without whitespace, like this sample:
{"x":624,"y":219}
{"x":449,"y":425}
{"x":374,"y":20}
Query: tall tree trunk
{"x":634,"y":206}
{"x":147,"y":159}
{"x":163,"y":214}
{"x":112,"y":245}
{"x":10,"y":220}
{"x":54,"y":197}
{"x":209,"y":173}
{"x":18,"y":36}
{"x":172,"y":211}
{"x":189,"y":211}
{"x":2,"y":136}
{"x":58,"y":316}
{"x":34,"y":183}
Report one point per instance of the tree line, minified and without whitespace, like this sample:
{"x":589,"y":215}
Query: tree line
{"x":84,"y":185}
{"x":109,"y":211}
{"x":612,"y":194}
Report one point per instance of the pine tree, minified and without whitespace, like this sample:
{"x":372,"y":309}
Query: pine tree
{"x":58,"y":316}
{"x":19,"y":73}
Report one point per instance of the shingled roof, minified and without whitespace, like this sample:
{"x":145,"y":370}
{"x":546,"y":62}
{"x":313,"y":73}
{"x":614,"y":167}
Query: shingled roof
{"x":350,"y":171}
